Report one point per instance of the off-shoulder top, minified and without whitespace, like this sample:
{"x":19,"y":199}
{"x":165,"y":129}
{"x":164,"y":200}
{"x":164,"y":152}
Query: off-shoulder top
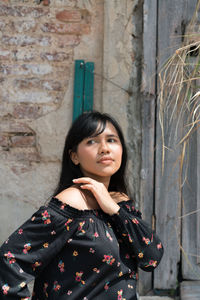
{"x":78,"y":254}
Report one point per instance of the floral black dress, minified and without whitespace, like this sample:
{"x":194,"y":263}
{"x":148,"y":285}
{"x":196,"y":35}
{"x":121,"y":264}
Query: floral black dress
{"x":78,"y":254}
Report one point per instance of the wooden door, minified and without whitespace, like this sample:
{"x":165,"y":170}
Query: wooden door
{"x":190,"y":287}
{"x":165,"y":22}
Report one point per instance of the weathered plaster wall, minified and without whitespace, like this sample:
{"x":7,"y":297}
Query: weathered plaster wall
{"x":38,"y":46}
{"x":122,"y":62}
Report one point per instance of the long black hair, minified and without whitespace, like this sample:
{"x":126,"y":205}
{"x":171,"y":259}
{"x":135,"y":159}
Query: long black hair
{"x":87,"y":125}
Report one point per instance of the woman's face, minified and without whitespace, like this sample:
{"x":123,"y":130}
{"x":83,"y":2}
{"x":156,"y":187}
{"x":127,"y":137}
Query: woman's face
{"x":99,"y":156}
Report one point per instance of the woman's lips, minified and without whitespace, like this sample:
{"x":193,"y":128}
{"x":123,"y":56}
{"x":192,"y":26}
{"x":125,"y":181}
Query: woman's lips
{"x":106,"y":160}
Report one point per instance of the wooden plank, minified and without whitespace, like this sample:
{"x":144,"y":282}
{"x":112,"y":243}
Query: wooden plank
{"x":198,"y":197}
{"x":191,"y":190}
{"x":78,"y":88}
{"x":148,"y":125}
{"x":88,"y":86}
{"x":190,"y":290}
{"x":173,"y":15}
{"x":167,"y":213}
{"x":167,"y":197}
{"x":190,"y":268}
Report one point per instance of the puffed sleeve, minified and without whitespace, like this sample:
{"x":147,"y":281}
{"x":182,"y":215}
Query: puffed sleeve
{"x":29,"y":249}
{"x":141,"y":241}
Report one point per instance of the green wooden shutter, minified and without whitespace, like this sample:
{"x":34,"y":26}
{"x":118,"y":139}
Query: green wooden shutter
{"x":83,"y":87}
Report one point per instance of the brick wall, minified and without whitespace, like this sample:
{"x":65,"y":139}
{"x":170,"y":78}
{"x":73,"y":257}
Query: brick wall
{"x":38,"y":46}
{"x":39,"y":41}
{"x":36,"y":56}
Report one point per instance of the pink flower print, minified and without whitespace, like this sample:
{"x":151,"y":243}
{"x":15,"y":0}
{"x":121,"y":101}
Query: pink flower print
{"x":69,"y":241}
{"x":153,"y":263}
{"x":61,"y":266}
{"x":146,"y":240}
{"x":130,"y":238}
{"x":118,"y":264}
{"x":67,"y":223}
{"x":109,"y":236}
{"x":79,"y":277}
{"x":46,"y":217}
{"x":56,"y":286}
{"x":45,"y":214}
{"x":120,"y":292}
{"x":80,"y":228}
{"x":159,"y":246}
{"x":106,"y":286}
{"x":96,"y":235}
{"x":127,"y":256}
{"x":91,"y":250}
{"x":128,"y":206}
{"x":27,"y":247}
{"x":53,"y":232}
{"x":91,"y":220}
{"x":10,"y":257}
{"x":126,"y":221}
{"x":45,"y":289}
{"x":108,"y":259}
{"x":69,"y":292}
{"x":5,"y":289}
{"x":135,"y":221}
{"x":20,"y":231}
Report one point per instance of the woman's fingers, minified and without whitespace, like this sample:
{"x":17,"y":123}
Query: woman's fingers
{"x":87,"y":187}
{"x":100,"y":192}
{"x":83,"y":179}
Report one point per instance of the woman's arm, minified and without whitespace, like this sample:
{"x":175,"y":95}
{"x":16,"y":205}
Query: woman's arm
{"x":29,"y":249}
{"x":142,"y":242}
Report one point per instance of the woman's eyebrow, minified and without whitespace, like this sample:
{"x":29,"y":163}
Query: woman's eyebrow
{"x":107,"y":135}
{"x":112,"y":135}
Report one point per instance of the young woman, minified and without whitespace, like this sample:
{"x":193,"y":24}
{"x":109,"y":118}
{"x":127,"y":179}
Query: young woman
{"x":88,"y":242}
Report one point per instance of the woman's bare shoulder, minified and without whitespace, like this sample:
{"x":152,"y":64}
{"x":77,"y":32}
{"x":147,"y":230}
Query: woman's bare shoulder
{"x":119,"y":197}
{"x":73,"y":197}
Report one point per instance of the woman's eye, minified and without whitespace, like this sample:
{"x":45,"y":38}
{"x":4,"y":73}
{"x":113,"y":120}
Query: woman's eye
{"x":90,"y":142}
{"x":112,"y":140}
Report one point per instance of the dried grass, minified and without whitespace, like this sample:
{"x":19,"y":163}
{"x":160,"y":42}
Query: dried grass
{"x":179,"y":97}
{"x":179,"y":107}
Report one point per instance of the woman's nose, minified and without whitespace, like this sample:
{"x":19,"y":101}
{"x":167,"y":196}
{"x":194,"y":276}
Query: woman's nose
{"x":104,"y":148}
